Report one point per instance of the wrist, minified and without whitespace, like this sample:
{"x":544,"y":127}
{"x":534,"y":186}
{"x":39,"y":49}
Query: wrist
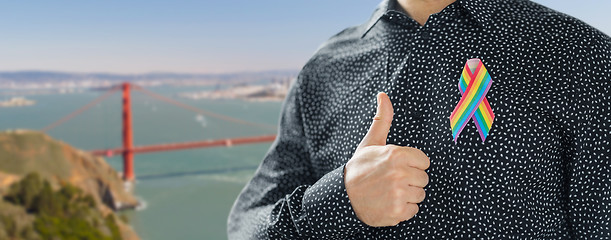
{"x":329,"y":209}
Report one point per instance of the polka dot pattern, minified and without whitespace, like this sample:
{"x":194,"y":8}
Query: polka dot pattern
{"x":544,"y":172}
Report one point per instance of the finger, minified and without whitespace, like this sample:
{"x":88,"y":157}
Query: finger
{"x":378,"y":131}
{"x":416,"y":177}
{"x":412,"y":157}
{"x":416,"y":158}
{"x":410,"y":211}
{"x":414,"y":194}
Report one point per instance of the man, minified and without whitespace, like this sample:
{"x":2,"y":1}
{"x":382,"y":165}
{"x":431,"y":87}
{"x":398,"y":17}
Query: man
{"x":495,"y":122}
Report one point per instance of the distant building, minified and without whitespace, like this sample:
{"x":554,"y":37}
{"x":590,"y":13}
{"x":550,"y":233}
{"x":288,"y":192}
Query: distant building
{"x":17,"y":102}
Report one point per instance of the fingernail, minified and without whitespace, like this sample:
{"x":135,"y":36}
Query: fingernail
{"x":378,"y":99}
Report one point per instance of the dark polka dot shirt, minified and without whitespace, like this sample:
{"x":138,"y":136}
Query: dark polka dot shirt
{"x":543,"y":172}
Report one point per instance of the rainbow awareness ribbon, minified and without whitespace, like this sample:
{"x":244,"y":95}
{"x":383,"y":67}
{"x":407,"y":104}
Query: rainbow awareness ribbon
{"x":474,"y":84}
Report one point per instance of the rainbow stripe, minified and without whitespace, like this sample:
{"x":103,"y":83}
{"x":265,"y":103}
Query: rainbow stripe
{"x":473,"y":86}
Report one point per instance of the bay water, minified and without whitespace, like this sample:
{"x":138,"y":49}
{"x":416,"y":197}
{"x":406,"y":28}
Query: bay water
{"x":187,"y":194}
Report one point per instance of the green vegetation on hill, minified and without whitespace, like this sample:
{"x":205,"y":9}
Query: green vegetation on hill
{"x":25,"y":151}
{"x":50,"y":190}
{"x":67,"y":213}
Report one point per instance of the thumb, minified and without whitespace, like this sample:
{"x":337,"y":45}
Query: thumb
{"x":378,"y":132}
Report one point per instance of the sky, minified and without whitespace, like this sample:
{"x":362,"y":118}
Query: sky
{"x":191,"y":36}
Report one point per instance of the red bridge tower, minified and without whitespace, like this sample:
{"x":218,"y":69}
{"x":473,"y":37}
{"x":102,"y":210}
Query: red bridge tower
{"x":128,"y":137}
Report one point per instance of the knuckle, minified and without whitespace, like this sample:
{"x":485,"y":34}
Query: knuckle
{"x":396,"y":176}
{"x":396,"y":194}
{"x":426,"y":179}
{"x":388,"y":148}
{"x":417,"y":195}
{"x":395,"y":157}
{"x":394,"y":150}
{"x":387,"y":155}
{"x":427,"y":163}
{"x":421,"y":157}
{"x":413,"y":209}
{"x":419,"y":177}
{"x":421,"y":194}
{"x":397,"y":211}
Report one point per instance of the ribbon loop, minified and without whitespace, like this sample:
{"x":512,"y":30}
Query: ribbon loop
{"x":474,"y":84}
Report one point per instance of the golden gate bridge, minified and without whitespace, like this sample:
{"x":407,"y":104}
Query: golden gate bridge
{"x":128,"y":149}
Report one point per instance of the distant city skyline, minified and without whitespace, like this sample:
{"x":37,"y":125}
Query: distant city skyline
{"x":190,"y":36}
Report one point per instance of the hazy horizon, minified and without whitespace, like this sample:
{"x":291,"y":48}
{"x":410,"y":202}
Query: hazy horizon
{"x":188,"y":36}
{"x":151,"y":72}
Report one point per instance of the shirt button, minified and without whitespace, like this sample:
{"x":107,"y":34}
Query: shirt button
{"x":425,"y":35}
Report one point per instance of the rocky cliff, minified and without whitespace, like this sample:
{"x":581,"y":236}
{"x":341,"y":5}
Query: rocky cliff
{"x":23,"y":152}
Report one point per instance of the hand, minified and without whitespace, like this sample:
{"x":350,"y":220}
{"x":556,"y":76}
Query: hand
{"x":385,"y":182}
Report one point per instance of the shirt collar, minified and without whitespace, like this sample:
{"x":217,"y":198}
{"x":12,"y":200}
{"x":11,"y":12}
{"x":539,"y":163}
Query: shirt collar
{"x":482,"y":11}
{"x":380,"y":10}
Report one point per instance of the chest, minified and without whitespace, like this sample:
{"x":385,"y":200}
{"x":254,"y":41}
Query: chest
{"x":422,"y":83}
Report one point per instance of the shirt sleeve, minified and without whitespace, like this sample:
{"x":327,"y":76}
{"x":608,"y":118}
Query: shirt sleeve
{"x":589,"y":151}
{"x":284,"y":199}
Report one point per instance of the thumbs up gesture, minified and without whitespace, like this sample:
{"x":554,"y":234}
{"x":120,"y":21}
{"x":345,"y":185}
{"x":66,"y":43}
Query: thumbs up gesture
{"x":384,"y":181}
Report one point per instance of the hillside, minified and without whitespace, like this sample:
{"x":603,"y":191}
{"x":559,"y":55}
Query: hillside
{"x":69,"y":173}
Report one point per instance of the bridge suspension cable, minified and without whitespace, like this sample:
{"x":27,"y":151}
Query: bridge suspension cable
{"x":156,"y":96}
{"x":80,"y":110}
{"x":128,"y":150}
{"x":197,"y":110}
